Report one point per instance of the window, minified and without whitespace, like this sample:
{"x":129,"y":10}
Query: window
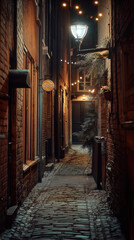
{"x":84,"y":82}
{"x":30,"y":112}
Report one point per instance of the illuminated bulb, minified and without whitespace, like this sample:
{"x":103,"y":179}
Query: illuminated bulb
{"x":75,"y":83}
{"x":93,"y":91}
{"x":61,"y":60}
{"x":64,"y":5}
{"x":76,"y":7}
{"x":96,"y":19}
{"x":91,"y":17}
{"x":80,"y":77}
{"x":72,"y":84}
{"x":89,"y":90}
{"x":100,"y":14}
{"x":65,"y":60}
{"x":96,"y":2}
{"x":78,"y":81}
{"x":80,"y":12}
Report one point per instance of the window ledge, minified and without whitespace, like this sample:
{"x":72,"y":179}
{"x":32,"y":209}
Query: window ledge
{"x":29,"y":164}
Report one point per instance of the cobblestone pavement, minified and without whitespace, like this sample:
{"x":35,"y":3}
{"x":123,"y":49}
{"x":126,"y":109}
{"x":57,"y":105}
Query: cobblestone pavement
{"x":66,"y":205}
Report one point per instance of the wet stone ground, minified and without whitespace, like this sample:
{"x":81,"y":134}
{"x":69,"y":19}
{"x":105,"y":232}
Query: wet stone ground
{"x":66,"y":205}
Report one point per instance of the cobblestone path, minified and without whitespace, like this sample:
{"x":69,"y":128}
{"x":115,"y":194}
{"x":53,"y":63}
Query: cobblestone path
{"x":66,"y":205}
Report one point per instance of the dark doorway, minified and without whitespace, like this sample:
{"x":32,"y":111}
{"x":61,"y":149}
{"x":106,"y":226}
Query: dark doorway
{"x":79,"y":112}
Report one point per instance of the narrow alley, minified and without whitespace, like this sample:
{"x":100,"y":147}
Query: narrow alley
{"x":66,"y":205}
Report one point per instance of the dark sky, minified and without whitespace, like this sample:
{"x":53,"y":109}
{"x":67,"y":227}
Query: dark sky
{"x":88,"y":8}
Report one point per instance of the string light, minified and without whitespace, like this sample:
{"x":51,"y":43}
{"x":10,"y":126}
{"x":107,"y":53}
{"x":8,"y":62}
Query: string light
{"x":96,"y":2}
{"x":97,"y":19}
{"x":64,"y":4}
{"x":76,"y":7}
{"x":100,"y":14}
{"x":80,"y":12}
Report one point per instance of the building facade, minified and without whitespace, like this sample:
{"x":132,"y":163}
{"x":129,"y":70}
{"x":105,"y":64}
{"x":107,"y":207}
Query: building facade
{"x":32,"y":121}
{"x":116,"y":115}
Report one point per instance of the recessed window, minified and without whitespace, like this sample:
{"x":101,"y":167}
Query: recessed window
{"x":83,"y":84}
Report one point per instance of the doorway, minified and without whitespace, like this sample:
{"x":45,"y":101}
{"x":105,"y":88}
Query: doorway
{"x":79,"y":112}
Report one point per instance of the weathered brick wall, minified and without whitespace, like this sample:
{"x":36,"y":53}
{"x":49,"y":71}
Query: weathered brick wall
{"x":117,"y":184}
{"x":19,"y":106}
{"x":6,"y":43}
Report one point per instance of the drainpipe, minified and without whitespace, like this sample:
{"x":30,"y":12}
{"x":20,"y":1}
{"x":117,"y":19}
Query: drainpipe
{"x":40,"y":102}
{"x":69,"y":79}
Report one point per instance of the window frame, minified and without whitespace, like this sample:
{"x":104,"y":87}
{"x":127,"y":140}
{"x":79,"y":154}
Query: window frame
{"x":84,"y":82}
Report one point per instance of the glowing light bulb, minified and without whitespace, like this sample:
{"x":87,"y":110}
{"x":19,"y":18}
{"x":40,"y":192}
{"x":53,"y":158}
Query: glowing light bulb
{"x":100,"y":14}
{"x":64,"y":5}
{"x":97,"y":19}
{"x":93,"y":91}
{"x":76,"y":7}
{"x":80,"y":12}
{"x":96,"y":2}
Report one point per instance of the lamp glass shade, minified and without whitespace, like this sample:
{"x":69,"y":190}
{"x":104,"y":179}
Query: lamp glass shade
{"x":79,"y":31}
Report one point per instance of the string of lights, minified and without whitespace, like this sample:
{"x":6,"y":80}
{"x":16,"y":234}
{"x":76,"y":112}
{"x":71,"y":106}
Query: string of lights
{"x":80,"y":11}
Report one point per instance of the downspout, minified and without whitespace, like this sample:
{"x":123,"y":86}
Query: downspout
{"x":69,"y":125}
{"x":57,"y":94}
{"x":40,"y":102}
{"x":116,"y":75}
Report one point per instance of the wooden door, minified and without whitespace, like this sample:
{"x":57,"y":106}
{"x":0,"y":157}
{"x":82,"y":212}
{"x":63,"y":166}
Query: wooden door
{"x":79,"y":112}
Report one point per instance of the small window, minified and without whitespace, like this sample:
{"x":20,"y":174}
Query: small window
{"x":84,"y":82}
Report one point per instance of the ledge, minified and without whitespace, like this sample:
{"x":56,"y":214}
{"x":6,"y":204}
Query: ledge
{"x":128,"y":124}
{"x":29,"y":164}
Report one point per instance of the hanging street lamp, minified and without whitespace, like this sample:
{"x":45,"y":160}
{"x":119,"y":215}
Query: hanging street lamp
{"x":79,"y":31}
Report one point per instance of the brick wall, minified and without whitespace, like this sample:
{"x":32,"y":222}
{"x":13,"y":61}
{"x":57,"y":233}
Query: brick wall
{"x":6,"y":43}
{"x":119,"y":182}
{"x":19,"y":106}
